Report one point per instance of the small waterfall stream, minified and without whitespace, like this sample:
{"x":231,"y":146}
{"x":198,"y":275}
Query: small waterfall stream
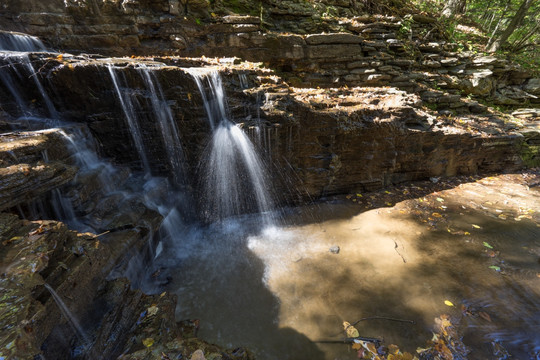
{"x":232,"y":162}
{"x":72,"y":320}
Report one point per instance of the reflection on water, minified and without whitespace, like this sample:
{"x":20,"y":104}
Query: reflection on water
{"x":280,"y":290}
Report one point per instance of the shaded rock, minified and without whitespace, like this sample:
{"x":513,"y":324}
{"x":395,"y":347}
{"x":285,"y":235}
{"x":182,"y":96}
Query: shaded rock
{"x":532,"y":86}
{"x":337,"y":38}
{"x":424,"y":19}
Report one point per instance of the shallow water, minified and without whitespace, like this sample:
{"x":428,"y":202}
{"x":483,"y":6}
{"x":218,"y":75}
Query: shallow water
{"x":278,"y":291}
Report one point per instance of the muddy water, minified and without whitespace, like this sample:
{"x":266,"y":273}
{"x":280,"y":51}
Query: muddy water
{"x":280,"y":291}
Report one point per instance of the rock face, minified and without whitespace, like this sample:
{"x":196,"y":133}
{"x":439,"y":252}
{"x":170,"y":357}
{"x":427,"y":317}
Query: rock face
{"x":123,"y":321}
{"x":24,"y":173}
{"x":319,"y":44}
{"x":332,"y":141}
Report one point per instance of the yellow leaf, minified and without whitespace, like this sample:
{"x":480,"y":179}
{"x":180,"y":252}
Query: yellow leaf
{"x":359,"y":195}
{"x":467,"y":233}
{"x":351,"y":331}
{"x":152,"y":310}
{"x":436,"y":214}
{"x":440,"y":199}
{"x":60,"y":57}
{"x":393,"y":349}
{"x":371,"y":347}
{"x":189,"y":96}
{"x":476,"y":226}
{"x":148,"y":342}
{"x":448,"y":303}
{"x":357,"y":346}
{"x":407,"y":356}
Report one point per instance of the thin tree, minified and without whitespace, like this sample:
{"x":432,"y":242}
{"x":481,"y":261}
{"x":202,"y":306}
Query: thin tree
{"x":454,"y":7}
{"x":499,"y":41}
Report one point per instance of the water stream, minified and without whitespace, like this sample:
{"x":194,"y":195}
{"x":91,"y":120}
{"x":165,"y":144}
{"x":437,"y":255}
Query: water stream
{"x":234,"y":175}
{"x":72,"y":320}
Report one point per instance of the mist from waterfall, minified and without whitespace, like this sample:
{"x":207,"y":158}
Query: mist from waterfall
{"x":234,"y":178}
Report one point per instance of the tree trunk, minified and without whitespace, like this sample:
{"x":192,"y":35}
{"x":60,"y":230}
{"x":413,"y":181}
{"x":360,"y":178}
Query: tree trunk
{"x":514,"y":24}
{"x":454,"y":7}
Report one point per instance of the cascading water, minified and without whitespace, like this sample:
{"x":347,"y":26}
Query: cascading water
{"x":128,"y":107}
{"x":72,"y":320}
{"x":234,"y":176}
{"x":167,"y":125}
{"x":12,"y":41}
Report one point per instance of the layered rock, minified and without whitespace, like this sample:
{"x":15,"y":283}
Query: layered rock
{"x":31,"y":165}
{"x":116,"y":319}
{"x":331,"y":140}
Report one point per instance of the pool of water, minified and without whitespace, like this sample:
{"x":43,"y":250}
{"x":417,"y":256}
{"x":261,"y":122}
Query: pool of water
{"x":281,"y":292}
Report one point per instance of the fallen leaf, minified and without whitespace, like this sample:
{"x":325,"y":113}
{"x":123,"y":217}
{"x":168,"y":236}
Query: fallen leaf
{"x":436,"y":214}
{"x":198,"y":355}
{"x":152,"y":310}
{"x":371,"y":347}
{"x":148,"y":342}
{"x":448,"y":303}
{"x":407,"y":356}
{"x":484,"y":316}
{"x":476,"y":226}
{"x":357,"y":346}
{"x":440,"y":199}
{"x":496,"y":268}
{"x":351,"y":331}
{"x":486,"y":244}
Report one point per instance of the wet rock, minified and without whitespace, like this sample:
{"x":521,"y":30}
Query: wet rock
{"x":23,"y":182}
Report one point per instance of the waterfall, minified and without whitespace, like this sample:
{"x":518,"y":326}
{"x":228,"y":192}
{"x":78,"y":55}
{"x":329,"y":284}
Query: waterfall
{"x":167,"y":125}
{"x":6,"y":76}
{"x":72,"y":320}
{"x":12,"y":41}
{"x":234,"y":176}
{"x":128,"y":108}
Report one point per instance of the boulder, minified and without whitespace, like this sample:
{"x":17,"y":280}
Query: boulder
{"x":532,"y":86}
